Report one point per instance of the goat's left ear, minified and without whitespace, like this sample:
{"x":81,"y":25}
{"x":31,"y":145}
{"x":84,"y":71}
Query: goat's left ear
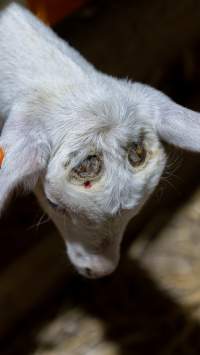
{"x":174,"y":123}
{"x":25,"y":153}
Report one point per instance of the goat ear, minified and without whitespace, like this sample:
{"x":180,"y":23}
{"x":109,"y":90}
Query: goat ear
{"x":175,"y":124}
{"x":26,"y":152}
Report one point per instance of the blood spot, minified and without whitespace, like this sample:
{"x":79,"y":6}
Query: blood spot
{"x":87,"y":185}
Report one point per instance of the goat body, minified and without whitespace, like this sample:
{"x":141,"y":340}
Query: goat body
{"x":86,"y":143}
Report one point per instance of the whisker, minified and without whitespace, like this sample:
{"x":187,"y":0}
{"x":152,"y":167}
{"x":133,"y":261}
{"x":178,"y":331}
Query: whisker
{"x":40,"y":222}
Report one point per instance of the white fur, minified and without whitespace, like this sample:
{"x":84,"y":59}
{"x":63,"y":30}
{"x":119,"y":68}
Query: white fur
{"x":55,"y":109}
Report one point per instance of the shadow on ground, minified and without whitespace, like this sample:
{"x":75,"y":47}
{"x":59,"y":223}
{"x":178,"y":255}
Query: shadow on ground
{"x":138,"y":317}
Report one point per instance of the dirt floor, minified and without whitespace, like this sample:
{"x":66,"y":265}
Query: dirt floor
{"x":151,"y":305}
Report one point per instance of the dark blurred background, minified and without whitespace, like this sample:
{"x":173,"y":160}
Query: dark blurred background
{"x":151,"y":305}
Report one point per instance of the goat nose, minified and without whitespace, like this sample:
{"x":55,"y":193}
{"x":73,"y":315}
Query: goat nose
{"x":95,"y":274}
{"x":90,"y":274}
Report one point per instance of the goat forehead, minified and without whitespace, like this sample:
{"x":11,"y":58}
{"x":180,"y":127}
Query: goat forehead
{"x":109,"y":139}
{"x":102,"y":117}
{"x":109,"y":122}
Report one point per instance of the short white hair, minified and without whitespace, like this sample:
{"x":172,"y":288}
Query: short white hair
{"x":57,"y":110}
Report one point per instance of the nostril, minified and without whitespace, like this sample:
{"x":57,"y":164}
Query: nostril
{"x":88,"y":272}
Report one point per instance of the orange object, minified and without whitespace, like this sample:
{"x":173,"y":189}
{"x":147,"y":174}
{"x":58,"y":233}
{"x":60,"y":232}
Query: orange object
{"x":52,"y":11}
{"x":2,"y":155}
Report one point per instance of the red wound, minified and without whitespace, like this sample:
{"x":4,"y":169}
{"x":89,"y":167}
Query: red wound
{"x":87,"y":184}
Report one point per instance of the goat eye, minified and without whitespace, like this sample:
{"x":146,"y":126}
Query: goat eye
{"x":136,"y":154}
{"x":52,"y":204}
{"x":88,"y":169}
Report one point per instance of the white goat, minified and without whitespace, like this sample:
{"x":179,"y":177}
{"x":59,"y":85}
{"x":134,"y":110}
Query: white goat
{"x":86,"y":143}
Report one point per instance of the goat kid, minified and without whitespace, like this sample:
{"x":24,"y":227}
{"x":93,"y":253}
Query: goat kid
{"x":86,"y":143}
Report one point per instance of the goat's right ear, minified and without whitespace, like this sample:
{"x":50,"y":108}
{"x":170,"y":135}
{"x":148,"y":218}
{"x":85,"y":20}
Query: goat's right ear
{"x":26,"y":153}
